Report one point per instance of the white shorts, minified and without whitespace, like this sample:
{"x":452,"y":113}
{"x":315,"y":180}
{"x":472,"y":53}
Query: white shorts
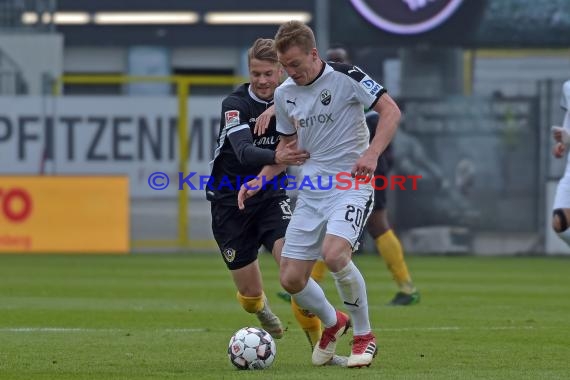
{"x":342,"y":214}
{"x":562,"y":197}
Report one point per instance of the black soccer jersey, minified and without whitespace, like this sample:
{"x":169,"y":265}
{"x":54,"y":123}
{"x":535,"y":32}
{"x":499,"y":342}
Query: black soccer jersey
{"x":239,"y":154}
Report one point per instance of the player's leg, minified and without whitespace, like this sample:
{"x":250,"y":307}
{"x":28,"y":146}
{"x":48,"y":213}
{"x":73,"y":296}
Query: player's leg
{"x":347,"y":220}
{"x":387,"y":243}
{"x":302,"y":248}
{"x":272,"y":222}
{"x":235,"y":235}
{"x":318,"y":274}
{"x":309,"y":322}
{"x":251,"y":297}
{"x":561,"y":210}
{"x":389,"y":247}
{"x":309,"y":296}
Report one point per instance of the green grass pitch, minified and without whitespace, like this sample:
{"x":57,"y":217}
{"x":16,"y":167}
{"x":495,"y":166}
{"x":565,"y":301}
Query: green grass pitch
{"x":171,"y":317}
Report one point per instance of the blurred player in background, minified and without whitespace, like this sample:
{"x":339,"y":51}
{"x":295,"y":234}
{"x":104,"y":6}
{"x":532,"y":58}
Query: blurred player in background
{"x":240,"y":234}
{"x":561,"y":206}
{"x":321,"y":108}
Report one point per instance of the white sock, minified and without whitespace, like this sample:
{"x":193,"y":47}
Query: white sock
{"x":565,"y":235}
{"x":352,"y":290}
{"x":313,"y":299}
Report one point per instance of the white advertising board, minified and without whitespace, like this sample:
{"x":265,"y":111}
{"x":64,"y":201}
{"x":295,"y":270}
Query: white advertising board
{"x":136,"y":136}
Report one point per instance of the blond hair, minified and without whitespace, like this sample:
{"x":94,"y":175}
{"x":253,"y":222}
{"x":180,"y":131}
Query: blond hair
{"x":262,"y":49}
{"x":295,"y":33}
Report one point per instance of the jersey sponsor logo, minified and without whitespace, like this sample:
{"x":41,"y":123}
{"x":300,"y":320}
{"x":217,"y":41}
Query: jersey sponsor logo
{"x":309,"y":121}
{"x":407,"y":16}
{"x":371,"y":86}
{"x":267,"y":140}
{"x":232,"y":118}
{"x":229,"y":254}
{"x":326,"y":97}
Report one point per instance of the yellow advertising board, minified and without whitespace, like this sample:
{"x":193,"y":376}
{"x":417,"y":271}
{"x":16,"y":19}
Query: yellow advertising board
{"x":64,"y":214}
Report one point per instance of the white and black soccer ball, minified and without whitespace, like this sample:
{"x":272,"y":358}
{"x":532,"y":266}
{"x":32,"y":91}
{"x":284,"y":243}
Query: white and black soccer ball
{"x":251,"y":348}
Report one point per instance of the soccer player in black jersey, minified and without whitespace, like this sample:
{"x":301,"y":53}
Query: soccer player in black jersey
{"x":240,"y":155}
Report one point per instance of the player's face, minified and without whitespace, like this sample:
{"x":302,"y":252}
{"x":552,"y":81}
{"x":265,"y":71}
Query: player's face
{"x":301,"y":66}
{"x":264,"y":78}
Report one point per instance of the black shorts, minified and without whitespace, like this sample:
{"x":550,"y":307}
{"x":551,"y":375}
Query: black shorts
{"x":240,"y":233}
{"x":382,"y":169}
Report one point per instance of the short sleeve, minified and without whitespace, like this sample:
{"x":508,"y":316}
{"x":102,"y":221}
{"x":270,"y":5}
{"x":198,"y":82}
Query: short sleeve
{"x":366,"y":89}
{"x":285,"y":124}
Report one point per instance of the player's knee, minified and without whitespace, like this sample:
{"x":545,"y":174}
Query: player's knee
{"x":376,"y":229}
{"x":377,"y":223}
{"x":292,"y":284}
{"x":559,"y":220}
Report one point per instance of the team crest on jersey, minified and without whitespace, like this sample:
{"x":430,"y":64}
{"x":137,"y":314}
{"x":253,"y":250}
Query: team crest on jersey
{"x":232,"y":118}
{"x":326,"y":97}
{"x":229,"y":254}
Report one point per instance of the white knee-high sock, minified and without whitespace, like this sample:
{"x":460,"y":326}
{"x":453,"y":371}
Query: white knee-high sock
{"x":352,"y":290}
{"x":313,"y":299}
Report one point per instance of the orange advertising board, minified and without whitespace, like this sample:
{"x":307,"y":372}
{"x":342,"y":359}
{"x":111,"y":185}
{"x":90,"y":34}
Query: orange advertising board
{"x":64,"y":214}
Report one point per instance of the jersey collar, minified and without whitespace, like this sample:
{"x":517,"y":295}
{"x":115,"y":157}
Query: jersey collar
{"x":254,"y":97}
{"x":324,"y":66}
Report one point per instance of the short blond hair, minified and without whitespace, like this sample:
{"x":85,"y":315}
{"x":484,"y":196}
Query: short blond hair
{"x":262,"y":49}
{"x":295,"y":33}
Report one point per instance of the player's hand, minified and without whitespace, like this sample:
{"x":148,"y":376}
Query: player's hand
{"x":290,"y":155}
{"x":247,"y":191}
{"x":559,"y":150}
{"x":365,"y":165}
{"x":262,"y":121}
{"x":560,"y":134}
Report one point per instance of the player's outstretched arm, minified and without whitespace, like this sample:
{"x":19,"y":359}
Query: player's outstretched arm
{"x":252,"y":187}
{"x":286,"y":154}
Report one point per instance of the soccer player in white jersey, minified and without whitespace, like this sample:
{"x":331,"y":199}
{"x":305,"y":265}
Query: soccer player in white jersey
{"x":561,"y":207}
{"x":320,"y":108}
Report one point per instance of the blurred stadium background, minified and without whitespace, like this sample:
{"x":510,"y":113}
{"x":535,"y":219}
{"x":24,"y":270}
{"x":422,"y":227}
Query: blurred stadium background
{"x":104,"y":90}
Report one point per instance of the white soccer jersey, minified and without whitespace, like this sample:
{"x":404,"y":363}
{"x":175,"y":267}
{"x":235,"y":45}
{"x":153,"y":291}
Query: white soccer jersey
{"x":328,"y":117}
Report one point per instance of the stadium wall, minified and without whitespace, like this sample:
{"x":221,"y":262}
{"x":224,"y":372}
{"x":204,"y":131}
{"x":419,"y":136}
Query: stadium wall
{"x":39,"y":57}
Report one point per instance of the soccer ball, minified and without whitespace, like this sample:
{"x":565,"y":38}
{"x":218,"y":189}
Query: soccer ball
{"x":251,"y":348}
